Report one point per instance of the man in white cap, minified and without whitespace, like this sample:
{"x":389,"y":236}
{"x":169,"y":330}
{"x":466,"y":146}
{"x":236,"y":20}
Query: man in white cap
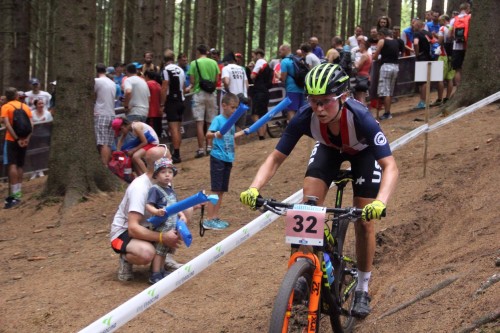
{"x":37,"y":94}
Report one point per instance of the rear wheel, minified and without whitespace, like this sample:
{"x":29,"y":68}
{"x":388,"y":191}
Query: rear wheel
{"x":275,"y":127}
{"x":346,"y":278}
{"x":291,"y":308}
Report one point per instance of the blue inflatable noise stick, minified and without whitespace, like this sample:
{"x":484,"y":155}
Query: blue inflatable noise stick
{"x":242,"y":108}
{"x":183,"y":230}
{"x":191,"y":201}
{"x":268,"y":116}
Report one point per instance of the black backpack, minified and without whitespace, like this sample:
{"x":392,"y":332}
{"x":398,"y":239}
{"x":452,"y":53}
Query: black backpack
{"x":21,"y":123}
{"x":344,"y":60}
{"x":301,"y":70}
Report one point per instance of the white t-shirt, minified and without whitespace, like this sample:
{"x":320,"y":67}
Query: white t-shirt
{"x":47,"y":116}
{"x":237,"y":79}
{"x":134,"y":200}
{"x":312,"y":60}
{"x":139,"y":101}
{"x":41,"y":95}
{"x":105,"y":93}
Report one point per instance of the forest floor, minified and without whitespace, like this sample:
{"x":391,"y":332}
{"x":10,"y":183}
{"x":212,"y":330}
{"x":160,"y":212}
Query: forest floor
{"x":58,"y":273}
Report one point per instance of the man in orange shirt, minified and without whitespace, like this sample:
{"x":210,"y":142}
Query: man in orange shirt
{"x":16,"y":144}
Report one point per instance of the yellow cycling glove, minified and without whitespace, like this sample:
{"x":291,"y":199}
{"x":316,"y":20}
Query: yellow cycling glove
{"x":249,"y":197}
{"x":375,"y":210}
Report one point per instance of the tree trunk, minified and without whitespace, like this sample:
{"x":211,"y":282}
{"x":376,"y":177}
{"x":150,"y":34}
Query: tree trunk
{"x":162,"y":26}
{"x":116,"y":44}
{"x":100,"y":21}
{"x":482,"y":56}
{"x":167,"y":29}
{"x":74,"y":163}
{"x":421,"y":8}
{"x":453,"y":5}
{"x":351,"y":19}
{"x":438,"y":6}
{"x":200,"y":26}
{"x":235,"y":23}
{"x":321,"y":23}
{"x":143,"y":33}
{"x":251,"y":25}
{"x":214,"y":31}
{"x":297,"y":17}
{"x":263,"y":24}
{"x":16,"y":50}
{"x":281,"y":22}
{"x":365,"y":20}
{"x":379,"y":9}
{"x":343,"y":19}
{"x":395,"y":12}
{"x":130,"y":14}
{"x":187,"y":45}
{"x":51,"y":41}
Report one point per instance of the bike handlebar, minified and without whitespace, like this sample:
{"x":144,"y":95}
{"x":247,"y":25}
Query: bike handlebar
{"x":272,"y":205}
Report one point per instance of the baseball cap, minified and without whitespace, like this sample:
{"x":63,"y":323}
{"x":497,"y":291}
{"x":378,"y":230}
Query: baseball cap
{"x":34,"y":81}
{"x":214,"y":51}
{"x":163,"y":163}
{"x":21,"y":94}
{"x":137,"y":65}
{"x":54,"y":83}
{"x":238,"y":55}
{"x":116,"y":125}
{"x":110,"y":70}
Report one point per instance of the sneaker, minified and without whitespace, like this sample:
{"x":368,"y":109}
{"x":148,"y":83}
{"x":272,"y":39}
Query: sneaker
{"x":199,"y":153}
{"x":300,"y":291}
{"x":386,"y":116}
{"x":420,"y":106}
{"x":170,"y":264}
{"x":176,"y":159}
{"x":40,"y":174}
{"x":361,"y":307}
{"x":438,"y":102}
{"x":209,"y":150}
{"x":10,"y":202}
{"x":125,"y":270}
{"x":214,"y":224}
{"x":445,"y":100}
{"x":222,"y":223}
{"x":17,"y":195}
{"x":156,"y":277}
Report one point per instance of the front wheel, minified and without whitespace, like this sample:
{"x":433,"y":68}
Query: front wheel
{"x":290,"y":310}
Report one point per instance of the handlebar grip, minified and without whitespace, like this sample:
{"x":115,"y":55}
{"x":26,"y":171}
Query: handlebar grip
{"x":259,"y":202}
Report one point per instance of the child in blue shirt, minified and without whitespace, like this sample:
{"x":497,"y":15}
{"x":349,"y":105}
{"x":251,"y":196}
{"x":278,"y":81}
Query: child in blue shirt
{"x":221,"y":159}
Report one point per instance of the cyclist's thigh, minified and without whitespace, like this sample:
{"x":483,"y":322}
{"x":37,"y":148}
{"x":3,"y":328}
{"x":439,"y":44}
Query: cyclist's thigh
{"x":367,"y":174}
{"x":324,"y":163}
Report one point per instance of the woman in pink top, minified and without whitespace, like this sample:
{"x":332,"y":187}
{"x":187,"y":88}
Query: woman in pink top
{"x":363,"y":66}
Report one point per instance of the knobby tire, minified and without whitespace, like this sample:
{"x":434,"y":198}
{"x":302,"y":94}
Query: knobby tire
{"x":298,"y":319}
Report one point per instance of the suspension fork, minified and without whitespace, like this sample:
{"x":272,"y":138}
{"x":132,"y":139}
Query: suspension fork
{"x":315,"y":292}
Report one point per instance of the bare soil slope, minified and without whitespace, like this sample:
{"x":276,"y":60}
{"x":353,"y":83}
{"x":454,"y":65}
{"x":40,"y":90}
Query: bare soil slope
{"x":59,"y":274}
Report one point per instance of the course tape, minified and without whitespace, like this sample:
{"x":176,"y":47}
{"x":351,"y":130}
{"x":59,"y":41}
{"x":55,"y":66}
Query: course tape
{"x":145,"y":299}
{"x":142,"y":301}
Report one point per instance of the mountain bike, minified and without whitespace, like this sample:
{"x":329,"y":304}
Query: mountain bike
{"x":277,"y":125}
{"x":307,"y":295}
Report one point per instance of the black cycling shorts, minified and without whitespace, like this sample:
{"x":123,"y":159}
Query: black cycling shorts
{"x":260,"y":101}
{"x":325,"y":163}
{"x":174,"y":109}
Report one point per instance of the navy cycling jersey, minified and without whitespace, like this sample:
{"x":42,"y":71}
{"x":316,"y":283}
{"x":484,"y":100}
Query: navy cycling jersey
{"x":358,"y":131}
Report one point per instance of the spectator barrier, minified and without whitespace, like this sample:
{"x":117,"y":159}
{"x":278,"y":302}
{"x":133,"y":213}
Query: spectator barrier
{"x":38,"y":151}
{"x":145,"y":299}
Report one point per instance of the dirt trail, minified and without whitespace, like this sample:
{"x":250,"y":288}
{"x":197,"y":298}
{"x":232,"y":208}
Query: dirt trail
{"x":60,"y":275}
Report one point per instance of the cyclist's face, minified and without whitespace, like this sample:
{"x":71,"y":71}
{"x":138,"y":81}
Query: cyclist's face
{"x":325,"y":107}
